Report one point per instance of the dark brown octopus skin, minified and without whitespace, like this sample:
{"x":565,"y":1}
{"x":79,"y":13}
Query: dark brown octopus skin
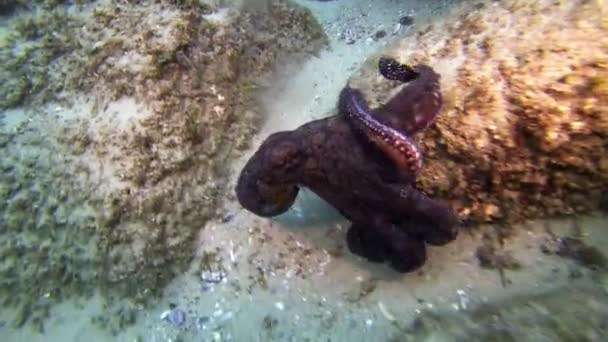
{"x":359,"y":171}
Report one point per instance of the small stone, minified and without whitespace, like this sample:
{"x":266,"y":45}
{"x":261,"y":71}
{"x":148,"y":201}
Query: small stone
{"x":269,"y":323}
{"x":225,"y":317}
{"x":379,"y":34}
{"x":576,"y":249}
{"x":200,"y":321}
{"x":575,"y":273}
{"x":205,"y":287}
{"x":227,"y":217}
{"x":212,"y":277}
{"x":406,"y":20}
{"x":492,"y":211}
{"x":545,"y":249}
{"x":176,"y":317}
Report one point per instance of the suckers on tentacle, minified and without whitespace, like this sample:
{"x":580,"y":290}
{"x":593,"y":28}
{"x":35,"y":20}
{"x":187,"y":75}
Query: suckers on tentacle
{"x":400,"y":148}
{"x":393,"y":70}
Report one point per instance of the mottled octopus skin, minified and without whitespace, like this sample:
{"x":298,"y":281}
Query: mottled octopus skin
{"x":393,"y":70}
{"x":400,"y":148}
{"x":392,"y":221}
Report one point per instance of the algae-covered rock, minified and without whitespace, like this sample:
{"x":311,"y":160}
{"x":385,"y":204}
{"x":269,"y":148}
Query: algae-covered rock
{"x":31,"y":56}
{"x":127,"y":178}
{"x":524,"y":128}
{"x":171,"y":163}
{"x":47,"y":248}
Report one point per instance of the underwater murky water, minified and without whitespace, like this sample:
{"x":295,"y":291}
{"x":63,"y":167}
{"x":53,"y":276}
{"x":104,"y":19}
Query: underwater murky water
{"x":126,"y":127}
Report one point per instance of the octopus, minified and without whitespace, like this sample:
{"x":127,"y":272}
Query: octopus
{"x":364,"y":162}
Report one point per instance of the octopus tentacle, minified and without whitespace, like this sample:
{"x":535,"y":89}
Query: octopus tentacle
{"x":400,"y":148}
{"x":364,"y":241}
{"x":405,"y":253}
{"x":417,"y":104}
{"x":412,"y":109}
{"x":266,"y":185}
{"x":434,"y":222}
{"x":393,"y":70}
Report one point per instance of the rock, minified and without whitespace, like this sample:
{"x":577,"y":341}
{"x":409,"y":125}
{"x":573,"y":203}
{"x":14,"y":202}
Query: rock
{"x":176,"y":317}
{"x":516,"y":140}
{"x":406,"y":20}
{"x":379,"y":34}
{"x":576,"y":249}
{"x":212,"y":277}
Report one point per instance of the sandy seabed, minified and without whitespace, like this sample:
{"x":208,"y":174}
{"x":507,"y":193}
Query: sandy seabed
{"x":292,"y":278}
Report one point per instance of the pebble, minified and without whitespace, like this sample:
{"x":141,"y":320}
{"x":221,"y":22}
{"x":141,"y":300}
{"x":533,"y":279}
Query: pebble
{"x":176,"y":317}
{"x":226,"y":317}
{"x":201,"y":322}
{"x":206,"y":287}
{"x":575,"y":273}
{"x":463,"y":299}
{"x":406,"y":20}
{"x":379,"y":34}
{"x":227,"y":218}
{"x":212,"y":277}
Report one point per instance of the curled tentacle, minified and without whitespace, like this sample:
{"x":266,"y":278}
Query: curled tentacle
{"x":266,"y":185}
{"x":410,"y":110}
{"x":417,"y":104}
{"x":393,"y":70}
{"x":400,"y":148}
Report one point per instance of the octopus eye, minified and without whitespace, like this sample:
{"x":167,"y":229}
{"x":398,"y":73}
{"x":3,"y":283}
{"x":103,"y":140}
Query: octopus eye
{"x":269,"y":200}
{"x":282,"y":198}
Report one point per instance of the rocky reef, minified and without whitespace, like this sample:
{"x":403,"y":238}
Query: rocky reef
{"x":115,"y":135}
{"x":524,"y":130}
